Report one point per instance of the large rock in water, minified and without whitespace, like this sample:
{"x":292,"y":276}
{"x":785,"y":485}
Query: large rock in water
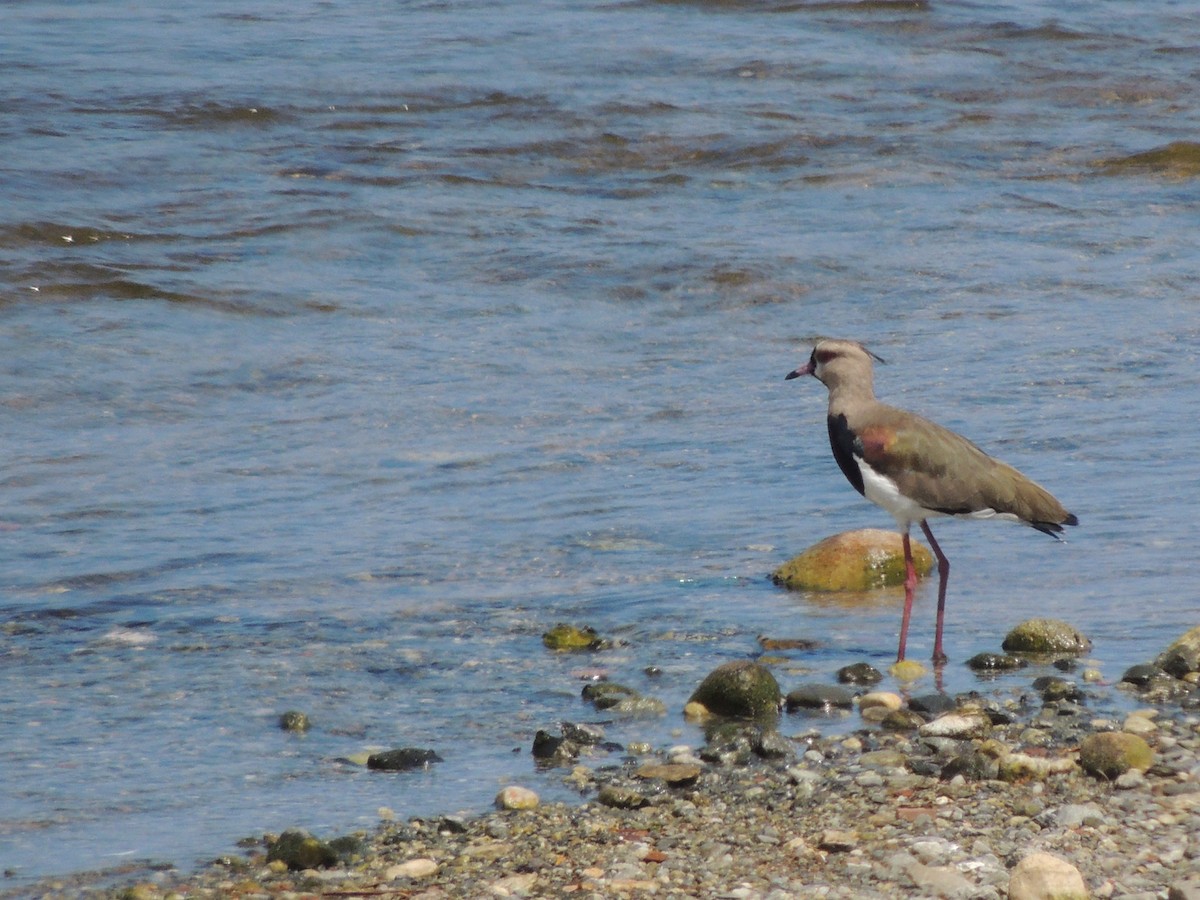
{"x":852,"y":561}
{"x":739,"y":688}
{"x":1046,"y":636}
{"x":1182,"y":657}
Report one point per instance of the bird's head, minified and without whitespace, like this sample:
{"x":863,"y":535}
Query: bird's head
{"x":838,"y":362}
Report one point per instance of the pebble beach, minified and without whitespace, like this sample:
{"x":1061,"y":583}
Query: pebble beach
{"x":990,"y":794}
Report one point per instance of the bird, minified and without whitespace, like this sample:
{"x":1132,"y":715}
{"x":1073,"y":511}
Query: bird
{"x":916,"y":469}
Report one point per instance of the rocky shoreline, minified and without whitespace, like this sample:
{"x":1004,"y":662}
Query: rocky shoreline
{"x":976,"y":796}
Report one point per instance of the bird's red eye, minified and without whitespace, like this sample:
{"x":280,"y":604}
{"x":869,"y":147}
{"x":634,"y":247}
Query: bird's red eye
{"x":824,"y":356}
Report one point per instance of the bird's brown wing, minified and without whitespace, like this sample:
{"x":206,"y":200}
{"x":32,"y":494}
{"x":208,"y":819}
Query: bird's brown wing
{"x":944,"y":472}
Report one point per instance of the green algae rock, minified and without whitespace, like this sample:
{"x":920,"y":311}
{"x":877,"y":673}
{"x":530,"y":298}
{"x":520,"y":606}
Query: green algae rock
{"x":740,"y":688}
{"x":1046,"y":636}
{"x":852,"y":561}
{"x":1110,"y":754}
{"x":299,"y":850}
{"x":294,"y":720}
{"x":1178,"y":159}
{"x":565,"y":638}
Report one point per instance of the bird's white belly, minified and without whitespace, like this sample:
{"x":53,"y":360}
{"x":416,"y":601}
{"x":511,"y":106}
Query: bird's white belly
{"x":882,"y":491}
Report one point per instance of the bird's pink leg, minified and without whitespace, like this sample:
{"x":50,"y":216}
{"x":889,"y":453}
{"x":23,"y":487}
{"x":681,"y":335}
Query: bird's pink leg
{"x":943,"y":576}
{"x":910,"y":585}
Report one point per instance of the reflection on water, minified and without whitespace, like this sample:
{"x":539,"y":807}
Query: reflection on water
{"x":345,"y":352}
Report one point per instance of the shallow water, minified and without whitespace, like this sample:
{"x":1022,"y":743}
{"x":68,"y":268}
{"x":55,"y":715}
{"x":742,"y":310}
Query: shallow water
{"x":345,"y":351}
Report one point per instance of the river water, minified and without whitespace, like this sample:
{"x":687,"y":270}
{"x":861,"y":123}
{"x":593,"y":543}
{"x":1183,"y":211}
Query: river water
{"x":347,"y":347}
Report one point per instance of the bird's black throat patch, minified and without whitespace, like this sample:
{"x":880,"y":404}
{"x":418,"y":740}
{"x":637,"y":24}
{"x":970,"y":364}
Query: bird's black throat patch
{"x":845,"y":445}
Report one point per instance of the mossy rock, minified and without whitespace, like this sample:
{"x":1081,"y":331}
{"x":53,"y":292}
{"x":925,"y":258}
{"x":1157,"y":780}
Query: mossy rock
{"x":566,"y":638}
{"x":294,"y":720}
{"x":1183,"y":656}
{"x":1111,"y":754}
{"x":852,"y":561}
{"x":740,"y":688}
{"x":299,"y":850}
{"x":605,"y":694}
{"x":995,"y":662}
{"x":1046,"y":636}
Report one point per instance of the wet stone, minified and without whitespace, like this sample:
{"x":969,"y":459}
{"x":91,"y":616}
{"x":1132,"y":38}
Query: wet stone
{"x":1045,"y":636}
{"x":603,"y":694}
{"x":1052,"y":689}
{"x":674,"y":774}
{"x":402,"y":759}
{"x":739,"y":688}
{"x":770,"y":744}
{"x":995,"y":662}
{"x":565,"y":638}
{"x":298,"y":850}
{"x":852,"y":561}
{"x":973,"y":766}
{"x":902,"y":720}
{"x":584,"y":734}
{"x":1110,"y":754}
{"x":772,"y":645}
{"x":620,"y":797}
{"x":824,"y":697}
{"x":294,"y":720}
{"x":517,"y":797}
{"x":932,"y":704}
{"x":1183,"y":656}
{"x":1141,"y":675}
{"x":862,"y":673}
{"x":958,"y":726}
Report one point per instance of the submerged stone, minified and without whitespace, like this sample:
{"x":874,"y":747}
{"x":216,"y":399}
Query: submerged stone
{"x":907,"y":670}
{"x":1052,"y":688}
{"x":639,"y":706}
{"x":852,"y":561}
{"x":1179,"y":159}
{"x":402,"y":759}
{"x":771,"y":644}
{"x":603,"y":694}
{"x":739,"y":688}
{"x":995,"y":662}
{"x":294,"y":720}
{"x":825,"y":697}
{"x":859,"y":673}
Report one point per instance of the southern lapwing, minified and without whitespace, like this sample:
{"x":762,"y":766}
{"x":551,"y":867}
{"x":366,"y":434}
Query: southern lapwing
{"x":916,"y":469}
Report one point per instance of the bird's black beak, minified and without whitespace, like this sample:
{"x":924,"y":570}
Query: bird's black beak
{"x":806,"y":369}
